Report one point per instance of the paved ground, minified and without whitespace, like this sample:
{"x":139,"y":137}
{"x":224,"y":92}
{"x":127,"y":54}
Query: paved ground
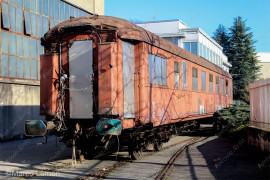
{"x":210,"y":158}
{"x":218,"y":158}
{"x":24,"y":157}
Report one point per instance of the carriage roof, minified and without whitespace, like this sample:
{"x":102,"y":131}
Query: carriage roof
{"x":129,"y":31}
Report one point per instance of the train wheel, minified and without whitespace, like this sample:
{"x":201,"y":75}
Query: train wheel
{"x":134,"y":152}
{"x":158,"y":146}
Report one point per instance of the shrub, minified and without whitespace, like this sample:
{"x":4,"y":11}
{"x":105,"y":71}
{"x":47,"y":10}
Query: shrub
{"x":235,"y":120}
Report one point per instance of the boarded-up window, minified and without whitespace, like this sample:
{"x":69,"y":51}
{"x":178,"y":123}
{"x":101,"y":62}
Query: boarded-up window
{"x":184,"y":74}
{"x":195,"y":79}
{"x":217,"y":84}
{"x":211,"y":83}
{"x":157,"y":70}
{"x":176,"y":74}
{"x":222,"y":86}
{"x":203,"y":81}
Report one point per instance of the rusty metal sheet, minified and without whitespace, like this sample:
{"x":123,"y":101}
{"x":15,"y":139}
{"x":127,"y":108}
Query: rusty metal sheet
{"x":125,"y":30}
{"x":128,"y":80}
{"x":80,"y":82}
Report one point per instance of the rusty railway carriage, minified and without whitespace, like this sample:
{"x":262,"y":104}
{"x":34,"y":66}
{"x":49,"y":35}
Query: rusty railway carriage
{"x":104,"y":76}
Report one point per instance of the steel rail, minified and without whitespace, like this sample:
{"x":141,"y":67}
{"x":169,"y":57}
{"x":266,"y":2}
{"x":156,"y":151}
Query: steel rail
{"x":167,"y":169}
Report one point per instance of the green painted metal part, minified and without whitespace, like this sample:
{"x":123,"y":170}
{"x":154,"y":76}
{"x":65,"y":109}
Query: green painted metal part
{"x":35,"y":128}
{"x":108,"y":126}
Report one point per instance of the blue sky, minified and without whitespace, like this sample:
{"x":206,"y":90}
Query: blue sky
{"x":206,"y":14}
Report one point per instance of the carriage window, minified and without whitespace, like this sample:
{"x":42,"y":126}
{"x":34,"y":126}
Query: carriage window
{"x":217,"y":85}
{"x":227,"y":87}
{"x":210,"y":83}
{"x":203,"y":81}
{"x":184,"y":75}
{"x":157,"y":70}
{"x":222,"y":86}
{"x":231,"y":87}
{"x":195,"y":79}
{"x":176,"y":74}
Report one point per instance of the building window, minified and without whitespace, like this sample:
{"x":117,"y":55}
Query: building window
{"x":27,"y":23}
{"x":207,"y":54}
{"x":203,"y":81}
{"x":211,"y":83}
{"x":191,"y":47}
{"x":217,"y":85}
{"x":5,"y":16}
{"x":45,"y":7}
{"x":20,"y":21}
{"x":5,"y":65}
{"x":200,"y":49}
{"x":12,"y":11}
{"x":176,"y":74}
{"x":157,"y":70}
{"x":33,"y":5}
{"x":222,"y":86}
{"x":39,"y":6}
{"x":26,"y":4}
{"x":184,"y":74}
{"x":34,"y":24}
{"x":195,"y":79}
{"x":66,"y":12}
{"x":19,"y":53}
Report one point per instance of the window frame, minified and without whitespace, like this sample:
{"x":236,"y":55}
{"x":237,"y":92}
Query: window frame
{"x":227,"y":87}
{"x":203,"y":80}
{"x":217,"y":85}
{"x":211,"y":83}
{"x":194,"y":79}
{"x":176,"y":74}
{"x":222,"y":85}
{"x":157,"y":76}
{"x":184,"y":74}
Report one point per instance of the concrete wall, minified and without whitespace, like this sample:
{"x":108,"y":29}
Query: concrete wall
{"x":18,"y":102}
{"x":95,"y":6}
{"x":265,"y":70}
{"x":264,"y":62}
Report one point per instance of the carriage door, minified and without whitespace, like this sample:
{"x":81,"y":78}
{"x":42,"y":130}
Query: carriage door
{"x":128,"y":80}
{"x":80,"y":80}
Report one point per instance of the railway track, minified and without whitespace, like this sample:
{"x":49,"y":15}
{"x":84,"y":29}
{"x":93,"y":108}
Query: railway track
{"x":167,"y":169}
{"x":102,"y":172}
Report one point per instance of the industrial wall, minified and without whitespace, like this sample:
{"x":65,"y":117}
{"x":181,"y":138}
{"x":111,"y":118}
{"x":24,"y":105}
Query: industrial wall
{"x":259,"y":129}
{"x":23,"y":23}
{"x":95,"y":6}
{"x":18,"y":102}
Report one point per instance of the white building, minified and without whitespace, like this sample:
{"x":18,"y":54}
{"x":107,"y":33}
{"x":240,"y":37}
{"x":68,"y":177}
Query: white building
{"x":264,"y":62}
{"x":194,"y":40}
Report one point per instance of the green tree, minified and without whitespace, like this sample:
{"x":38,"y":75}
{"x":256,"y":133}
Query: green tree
{"x":222,"y":37}
{"x":240,"y":50}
